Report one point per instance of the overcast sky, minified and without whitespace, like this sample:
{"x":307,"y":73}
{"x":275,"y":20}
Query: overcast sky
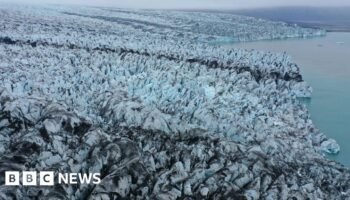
{"x":210,"y":4}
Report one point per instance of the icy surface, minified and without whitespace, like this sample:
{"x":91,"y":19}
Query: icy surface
{"x":142,"y":98}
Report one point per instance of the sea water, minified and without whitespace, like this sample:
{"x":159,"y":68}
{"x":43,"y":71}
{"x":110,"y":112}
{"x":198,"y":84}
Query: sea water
{"x":325,"y":65}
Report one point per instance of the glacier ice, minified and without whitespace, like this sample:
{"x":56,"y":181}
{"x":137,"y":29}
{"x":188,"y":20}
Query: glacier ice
{"x":148,"y":99}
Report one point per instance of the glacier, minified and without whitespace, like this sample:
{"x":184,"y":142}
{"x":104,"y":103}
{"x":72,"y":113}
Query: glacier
{"x":148,"y":100}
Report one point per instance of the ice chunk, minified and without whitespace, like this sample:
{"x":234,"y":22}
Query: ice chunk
{"x":330,"y":146}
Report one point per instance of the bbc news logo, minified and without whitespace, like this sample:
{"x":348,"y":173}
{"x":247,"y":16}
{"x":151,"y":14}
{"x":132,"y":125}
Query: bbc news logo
{"x":47,"y":178}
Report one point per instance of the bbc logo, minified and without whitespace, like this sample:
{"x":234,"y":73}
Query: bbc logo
{"x":46,"y":178}
{"x":29,"y":178}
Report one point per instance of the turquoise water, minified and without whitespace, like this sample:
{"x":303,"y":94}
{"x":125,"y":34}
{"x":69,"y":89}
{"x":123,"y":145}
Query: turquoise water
{"x":325,"y":65}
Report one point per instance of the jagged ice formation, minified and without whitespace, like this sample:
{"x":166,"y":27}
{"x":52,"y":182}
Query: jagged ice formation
{"x":143,"y":99}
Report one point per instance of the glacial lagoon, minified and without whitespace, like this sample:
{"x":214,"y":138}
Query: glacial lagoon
{"x":325,"y":65}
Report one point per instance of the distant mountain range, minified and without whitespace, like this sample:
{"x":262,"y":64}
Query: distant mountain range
{"x":329,"y":18}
